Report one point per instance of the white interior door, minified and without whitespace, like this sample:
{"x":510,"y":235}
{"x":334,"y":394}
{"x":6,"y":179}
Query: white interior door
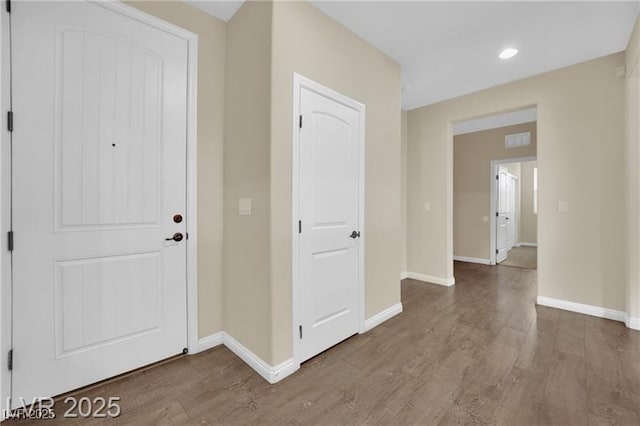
{"x":329,"y":240}
{"x":502,"y":215}
{"x":512,"y":196}
{"x":99,"y":171}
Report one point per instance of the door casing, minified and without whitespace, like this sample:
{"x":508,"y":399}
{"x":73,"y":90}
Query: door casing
{"x":298,"y":83}
{"x":6,"y":313}
{"x":493,"y":203}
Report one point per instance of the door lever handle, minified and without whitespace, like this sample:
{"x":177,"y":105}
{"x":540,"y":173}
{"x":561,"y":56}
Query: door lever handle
{"x":355,"y":234}
{"x":176,"y":237}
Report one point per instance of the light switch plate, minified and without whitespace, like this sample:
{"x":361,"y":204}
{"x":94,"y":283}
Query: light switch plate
{"x":244,"y":206}
{"x":563,"y":206}
{"x":427,"y":206}
{"x":485,"y":218}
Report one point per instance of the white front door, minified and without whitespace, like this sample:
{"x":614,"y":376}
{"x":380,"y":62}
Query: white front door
{"x":329,"y":233}
{"x":99,"y":165}
{"x":502,"y":215}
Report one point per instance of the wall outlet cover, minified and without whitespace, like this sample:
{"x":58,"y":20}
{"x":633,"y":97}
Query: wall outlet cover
{"x":244,"y":206}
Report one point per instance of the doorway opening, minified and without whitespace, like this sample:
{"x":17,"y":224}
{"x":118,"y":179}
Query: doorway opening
{"x":495,"y":189}
{"x":515,"y":203}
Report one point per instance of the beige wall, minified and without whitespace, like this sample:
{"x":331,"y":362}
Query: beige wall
{"x":472,"y":156}
{"x":247,"y":296}
{"x":403,"y":195}
{"x":310,"y":43}
{"x":580,"y":151}
{"x":528,"y":219}
{"x":633,"y":177}
{"x":211,"y":68}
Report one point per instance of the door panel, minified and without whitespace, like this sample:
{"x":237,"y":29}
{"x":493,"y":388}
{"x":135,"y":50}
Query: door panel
{"x":502,"y":217}
{"x":118,"y":99}
{"x":99,"y":170}
{"x":329,"y":171}
{"x":512,"y":195}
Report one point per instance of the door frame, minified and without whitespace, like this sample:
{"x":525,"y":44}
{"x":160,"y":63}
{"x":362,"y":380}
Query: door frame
{"x":493,"y":200}
{"x":300,"y":82}
{"x":6,"y":313}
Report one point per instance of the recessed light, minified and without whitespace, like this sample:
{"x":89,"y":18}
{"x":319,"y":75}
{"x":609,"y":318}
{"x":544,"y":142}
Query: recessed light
{"x":508,"y":53}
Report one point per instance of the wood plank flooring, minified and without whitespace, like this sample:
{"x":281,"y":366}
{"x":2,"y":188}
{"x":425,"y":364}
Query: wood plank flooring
{"x":480,"y":352}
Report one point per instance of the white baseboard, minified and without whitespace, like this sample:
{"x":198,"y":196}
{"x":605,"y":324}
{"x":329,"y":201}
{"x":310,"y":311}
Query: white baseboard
{"x":271,"y":374}
{"x":632,"y":322}
{"x":404,"y":275}
{"x":528,"y":244}
{"x":381,"y":317}
{"x":210,"y":341}
{"x":472,"y":260}
{"x":448,"y":282}
{"x":595,"y":311}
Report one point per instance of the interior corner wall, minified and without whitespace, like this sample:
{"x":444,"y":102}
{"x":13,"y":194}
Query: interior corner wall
{"x":247,"y":295}
{"x":403,"y":170}
{"x":580,"y":130}
{"x":211,"y":70}
{"x":472,"y":156}
{"x":307,"y":42}
{"x":632,"y":89}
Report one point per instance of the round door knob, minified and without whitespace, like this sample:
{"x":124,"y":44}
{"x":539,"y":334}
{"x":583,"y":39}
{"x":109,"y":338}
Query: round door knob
{"x":177,"y":218}
{"x":176,"y":237}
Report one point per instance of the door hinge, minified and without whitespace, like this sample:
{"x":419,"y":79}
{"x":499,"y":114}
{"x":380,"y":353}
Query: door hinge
{"x":497,"y":214}
{"x":10,"y":240}
{"x":300,"y":328}
{"x":299,"y":227}
{"x":300,"y":121}
{"x":8,"y":5}
{"x":10,"y":121}
{"x":497,"y":177}
{"x":10,"y":360}
{"x":497,"y":251}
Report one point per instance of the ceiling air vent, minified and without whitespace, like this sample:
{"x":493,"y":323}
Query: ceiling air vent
{"x":517,"y":140}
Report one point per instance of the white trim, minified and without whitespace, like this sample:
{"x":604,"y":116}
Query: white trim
{"x":528,"y":244}
{"x":298,"y":83}
{"x":404,"y":275}
{"x":493,"y":200}
{"x":632,"y":322}
{"x":448,"y":282}
{"x":381,"y":317}
{"x":510,"y":118}
{"x":211,"y":341}
{"x":191,"y":219}
{"x":5,"y":214}
{"x":271,"y":374}
{"x":472,"y":260}
{"x":594,"y":311}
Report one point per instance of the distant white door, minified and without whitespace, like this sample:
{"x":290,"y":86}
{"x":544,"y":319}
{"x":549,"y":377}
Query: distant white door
{"x":512,"y":196}
{"x":329,"y":238}
{"x":502,"y":215}
{"x":99,"y":154}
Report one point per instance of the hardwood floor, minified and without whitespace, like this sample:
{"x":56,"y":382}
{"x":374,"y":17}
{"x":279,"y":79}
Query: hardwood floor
{"x":480,"y":352}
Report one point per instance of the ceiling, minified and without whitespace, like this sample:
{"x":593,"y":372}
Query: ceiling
{"x":448,"y":49}
{"x":221,"y":9}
